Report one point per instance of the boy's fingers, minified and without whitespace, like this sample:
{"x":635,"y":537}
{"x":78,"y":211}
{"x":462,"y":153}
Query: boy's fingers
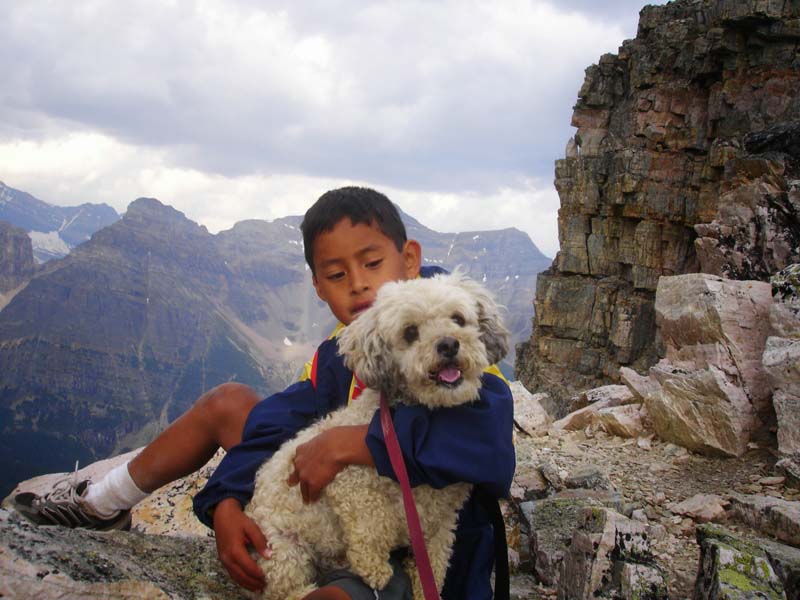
{"x":243,"y":579}
{"x":294,"y":478}
{"x":258,"y":540}
{"x":249,"y":566}
{"x":312,"y":494}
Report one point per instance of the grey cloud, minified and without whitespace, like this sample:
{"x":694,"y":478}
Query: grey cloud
{"x":403,"y":98}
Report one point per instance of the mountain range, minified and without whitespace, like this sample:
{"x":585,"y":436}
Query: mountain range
{"x":54,"y":230}
{"x":100,"y":349}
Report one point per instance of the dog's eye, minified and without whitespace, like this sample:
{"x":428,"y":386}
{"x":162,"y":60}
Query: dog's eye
{"x":411,"y":334}
{"x":458,"y":320}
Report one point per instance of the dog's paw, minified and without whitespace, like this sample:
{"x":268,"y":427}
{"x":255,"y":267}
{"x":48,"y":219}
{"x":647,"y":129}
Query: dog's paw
{"x":378,"y":576}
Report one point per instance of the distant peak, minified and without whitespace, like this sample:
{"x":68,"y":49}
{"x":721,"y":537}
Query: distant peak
{"x":149,"y":207}
{"x":152,"y":210}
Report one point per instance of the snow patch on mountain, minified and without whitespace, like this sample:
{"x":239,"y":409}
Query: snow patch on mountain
{"x":48,"y":245}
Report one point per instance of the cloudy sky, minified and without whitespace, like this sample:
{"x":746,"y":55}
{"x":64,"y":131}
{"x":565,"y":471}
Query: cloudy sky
{"x":235,"y":109}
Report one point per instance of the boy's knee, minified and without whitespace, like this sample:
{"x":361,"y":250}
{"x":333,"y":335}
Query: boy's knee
{"x":227,"y":400}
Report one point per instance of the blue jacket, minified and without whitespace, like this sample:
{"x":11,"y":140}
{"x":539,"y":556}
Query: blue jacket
{"x":470,"y":443}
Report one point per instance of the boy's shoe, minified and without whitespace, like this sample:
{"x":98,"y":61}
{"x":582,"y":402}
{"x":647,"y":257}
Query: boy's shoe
{"x":65,"y":505}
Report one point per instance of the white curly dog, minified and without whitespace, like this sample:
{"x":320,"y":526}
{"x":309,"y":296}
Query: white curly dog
{"x":424,"y":341}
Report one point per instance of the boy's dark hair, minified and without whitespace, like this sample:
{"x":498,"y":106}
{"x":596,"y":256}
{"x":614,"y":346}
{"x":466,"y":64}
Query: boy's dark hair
{"x":360,"y":205}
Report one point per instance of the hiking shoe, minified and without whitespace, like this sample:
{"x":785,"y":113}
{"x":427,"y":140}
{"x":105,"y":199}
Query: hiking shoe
{"x":65,"y":505}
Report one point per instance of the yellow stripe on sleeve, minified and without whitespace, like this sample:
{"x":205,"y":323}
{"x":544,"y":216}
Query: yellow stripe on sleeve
{"x":306,"y":374}
{"x":495,"y":370}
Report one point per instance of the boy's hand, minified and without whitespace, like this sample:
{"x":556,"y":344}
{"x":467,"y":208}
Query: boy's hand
{"x":319,"y":460}
{"x":235,"y":531}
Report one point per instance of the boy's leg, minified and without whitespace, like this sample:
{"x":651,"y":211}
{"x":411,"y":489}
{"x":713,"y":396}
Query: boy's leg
{"x":341,"y":584}
{"x":328,"y":593}
{"x":215,"y":420}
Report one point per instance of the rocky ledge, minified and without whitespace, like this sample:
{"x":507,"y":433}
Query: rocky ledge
{"x":53,"y":562}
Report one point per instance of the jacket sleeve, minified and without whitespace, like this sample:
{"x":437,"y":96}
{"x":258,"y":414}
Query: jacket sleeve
{"x":468,"y":443}
{"x":272,"y":421}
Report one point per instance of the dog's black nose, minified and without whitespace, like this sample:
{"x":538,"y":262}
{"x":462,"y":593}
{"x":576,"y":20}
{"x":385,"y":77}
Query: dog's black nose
{"x":447,"y":347}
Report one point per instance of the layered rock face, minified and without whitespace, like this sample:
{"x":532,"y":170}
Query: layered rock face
{"x":16,"y":257}
{"x":686,"y":159}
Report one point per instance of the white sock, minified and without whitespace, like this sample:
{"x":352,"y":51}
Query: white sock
{"x":116,"y":491}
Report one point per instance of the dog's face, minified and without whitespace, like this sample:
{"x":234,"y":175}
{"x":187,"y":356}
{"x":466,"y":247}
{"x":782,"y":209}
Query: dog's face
{"x":426,"y":340}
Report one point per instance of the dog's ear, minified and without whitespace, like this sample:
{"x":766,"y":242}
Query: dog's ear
{"x":365,"y":351}
{"x":494,"y":334}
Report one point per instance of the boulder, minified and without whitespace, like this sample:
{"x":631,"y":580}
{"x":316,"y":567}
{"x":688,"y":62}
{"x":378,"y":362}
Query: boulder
{"x":551,"y":521}
{"x":785,"y":561}
{"x":702,"y":508}
{"x":593,"y":401}
{"x":55,"y":563}
{"x":711,"y":390}
{"x":610,"y":555}
{"x":702,"y":410}
{"x":781,"y":357}
{"x":528,"y":411}
{"x":627,"y":421}
{"x":791,"y":469}
{"x":639,"y":385}
{"x":531,"y":483}
{"x":590,"y":477}
{"x":735,"y":567}
{"x":618,"y":394}
{"x":772,"y":516}
{"x":551,"y":475}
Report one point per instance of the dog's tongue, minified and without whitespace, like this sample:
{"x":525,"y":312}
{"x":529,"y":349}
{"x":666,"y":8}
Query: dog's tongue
{"x":449,"y":374}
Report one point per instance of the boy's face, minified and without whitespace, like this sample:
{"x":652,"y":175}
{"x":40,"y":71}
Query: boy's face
{"x":352,"y":262}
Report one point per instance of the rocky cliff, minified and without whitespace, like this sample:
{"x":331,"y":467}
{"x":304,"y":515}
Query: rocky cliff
{"x":686,"y":158}
{"x":16,"y":257}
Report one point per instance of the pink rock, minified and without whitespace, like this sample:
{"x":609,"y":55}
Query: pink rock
{"x":623,"y":421}
{"x":703,"y":508}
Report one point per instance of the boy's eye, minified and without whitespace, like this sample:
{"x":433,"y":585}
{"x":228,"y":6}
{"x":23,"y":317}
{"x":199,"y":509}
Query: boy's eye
{"x":335,"y":276}
{"x":411,"y":334}
{"x":458,"y":320}
{"x":374,"y":263}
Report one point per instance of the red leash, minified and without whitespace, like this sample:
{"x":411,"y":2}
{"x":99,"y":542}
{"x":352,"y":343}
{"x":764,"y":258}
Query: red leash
{"x":412,"y":517}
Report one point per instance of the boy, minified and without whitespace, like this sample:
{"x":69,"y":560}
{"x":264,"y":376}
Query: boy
{"x":354,"y":243}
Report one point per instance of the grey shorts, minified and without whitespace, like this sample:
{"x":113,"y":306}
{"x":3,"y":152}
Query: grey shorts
{"x":398,"y":588}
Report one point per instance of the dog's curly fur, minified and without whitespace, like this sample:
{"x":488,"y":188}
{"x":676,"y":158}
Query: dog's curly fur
{"x":400,"y":347}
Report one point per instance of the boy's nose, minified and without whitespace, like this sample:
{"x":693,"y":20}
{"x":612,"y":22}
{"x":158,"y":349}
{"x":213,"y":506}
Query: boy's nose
{"x":358,"y":282}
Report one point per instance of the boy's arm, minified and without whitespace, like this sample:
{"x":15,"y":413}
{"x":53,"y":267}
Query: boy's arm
{"x":220,"y":504}
{"x":271,"y":422}
{"x":318,"y":461}
{"x":468,"y":443}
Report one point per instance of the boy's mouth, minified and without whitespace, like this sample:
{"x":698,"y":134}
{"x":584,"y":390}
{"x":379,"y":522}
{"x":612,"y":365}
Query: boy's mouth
{"x":359,"y":308}
{"x":448,"y":375}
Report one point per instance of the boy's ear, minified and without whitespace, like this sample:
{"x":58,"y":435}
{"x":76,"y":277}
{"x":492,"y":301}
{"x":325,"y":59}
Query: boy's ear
{"x":412,"y":256}
{"x":320,"y":295}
